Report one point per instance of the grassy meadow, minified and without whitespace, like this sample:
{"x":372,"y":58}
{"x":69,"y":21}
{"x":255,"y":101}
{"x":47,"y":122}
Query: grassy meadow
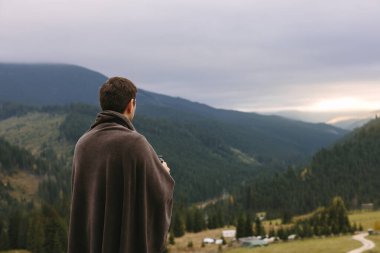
{"x":367,"y":219}
{"x":340,"y":244}
{"x":334,"y":244}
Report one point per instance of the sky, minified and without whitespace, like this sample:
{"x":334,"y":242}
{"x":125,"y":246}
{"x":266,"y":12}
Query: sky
{"x":250,"y":55}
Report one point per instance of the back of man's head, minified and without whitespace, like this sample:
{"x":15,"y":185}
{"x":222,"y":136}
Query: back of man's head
{"x":116,"y":93}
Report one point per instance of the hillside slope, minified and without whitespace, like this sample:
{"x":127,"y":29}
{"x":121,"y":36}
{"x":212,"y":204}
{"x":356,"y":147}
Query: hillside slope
{"x":350,"y":169}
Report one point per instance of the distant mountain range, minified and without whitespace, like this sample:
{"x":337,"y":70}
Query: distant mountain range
{"x":209,"y":150}
{"x":353,"y":121}
{"x":348,"y":120}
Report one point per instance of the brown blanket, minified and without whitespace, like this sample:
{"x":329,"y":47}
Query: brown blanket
{"x":121,"y":194}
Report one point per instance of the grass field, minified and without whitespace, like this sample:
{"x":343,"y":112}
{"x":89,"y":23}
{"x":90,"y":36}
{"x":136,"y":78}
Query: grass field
{"x":376,"y":240}
{"x":317,"y":245}
{"x":181,"y":244}
{"x":328,"y":245}
{"x":367,"y":219}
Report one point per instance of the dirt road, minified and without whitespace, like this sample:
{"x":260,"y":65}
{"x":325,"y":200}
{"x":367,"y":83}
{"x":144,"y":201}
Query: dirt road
{"x":367,"y":244}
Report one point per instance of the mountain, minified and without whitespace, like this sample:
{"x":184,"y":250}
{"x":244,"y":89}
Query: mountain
{"x":209,"y":150}
{"x":48,"y":84}
{"x":283,"y":138}
{"x":350,"y":168}
{"x":350,"y":122}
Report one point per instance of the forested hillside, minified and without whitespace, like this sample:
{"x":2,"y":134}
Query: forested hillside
{"x":208,"y":154}
{"x":350,"y":169}
{"x":39,"y":223}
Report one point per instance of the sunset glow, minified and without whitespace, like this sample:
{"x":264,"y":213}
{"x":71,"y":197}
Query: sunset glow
{"x":343,"y":104}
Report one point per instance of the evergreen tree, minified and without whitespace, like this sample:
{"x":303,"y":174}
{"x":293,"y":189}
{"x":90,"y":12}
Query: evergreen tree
{"x":248,"y":226}
{"x":240,"y":227}
{"x":14,"y":229}
{"x":4,"y":239}
{"x":178,"y":226}
{"x":199,"y":221}
{"x":338,"y":217}
{"x":190,"y":220}
{"x":36,"y":234}
{"x":259,"y":229}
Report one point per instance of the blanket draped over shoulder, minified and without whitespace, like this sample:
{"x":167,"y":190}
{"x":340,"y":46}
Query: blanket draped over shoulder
{"x":121,"y":194}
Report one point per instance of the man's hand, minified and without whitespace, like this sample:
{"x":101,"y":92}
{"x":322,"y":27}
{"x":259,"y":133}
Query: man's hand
{"x":165,"y":165}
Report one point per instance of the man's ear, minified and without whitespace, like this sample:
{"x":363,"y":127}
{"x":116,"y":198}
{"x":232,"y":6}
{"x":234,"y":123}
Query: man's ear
{"x":128,"y":109}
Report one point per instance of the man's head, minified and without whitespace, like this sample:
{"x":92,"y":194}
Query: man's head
{"x":118,"y":94}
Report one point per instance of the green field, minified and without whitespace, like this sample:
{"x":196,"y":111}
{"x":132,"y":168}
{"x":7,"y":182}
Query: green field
{"x":367,"y":219}
{"x":376,"y":240}
{"x":326,"y":245}
{"x":341,"y":244}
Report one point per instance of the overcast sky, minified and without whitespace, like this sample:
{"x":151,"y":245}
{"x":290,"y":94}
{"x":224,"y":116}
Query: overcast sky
{"x":252,"y":55}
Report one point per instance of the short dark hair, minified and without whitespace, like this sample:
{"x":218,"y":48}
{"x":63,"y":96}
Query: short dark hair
{"x":116,"y":93}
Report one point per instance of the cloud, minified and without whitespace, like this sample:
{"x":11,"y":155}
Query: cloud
{"x":242,"y":54}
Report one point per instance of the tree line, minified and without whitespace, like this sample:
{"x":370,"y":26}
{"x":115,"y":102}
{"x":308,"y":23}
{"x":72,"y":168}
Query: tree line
{"x":324,"y":221}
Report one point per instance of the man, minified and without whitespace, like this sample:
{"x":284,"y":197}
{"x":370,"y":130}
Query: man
{"x":121,"y":191}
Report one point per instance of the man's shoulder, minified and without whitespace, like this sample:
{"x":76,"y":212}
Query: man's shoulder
{"x":115,"y":135}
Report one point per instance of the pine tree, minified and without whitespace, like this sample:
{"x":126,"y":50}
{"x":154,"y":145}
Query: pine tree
{"x":35,"y":240}
{"x":190,"y":220}
{"x":13,"y":230}
{"x":248,"y":226}
{"x":338,"y":217}
{"x":4,"y":239}
{"x":259,"y":229}
{"x":178,"y":226}
{"x":240,"y":227}
{"x":199,"y":221}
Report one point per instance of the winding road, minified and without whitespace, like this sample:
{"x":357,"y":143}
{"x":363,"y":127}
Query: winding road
{"x":367,"y":244}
